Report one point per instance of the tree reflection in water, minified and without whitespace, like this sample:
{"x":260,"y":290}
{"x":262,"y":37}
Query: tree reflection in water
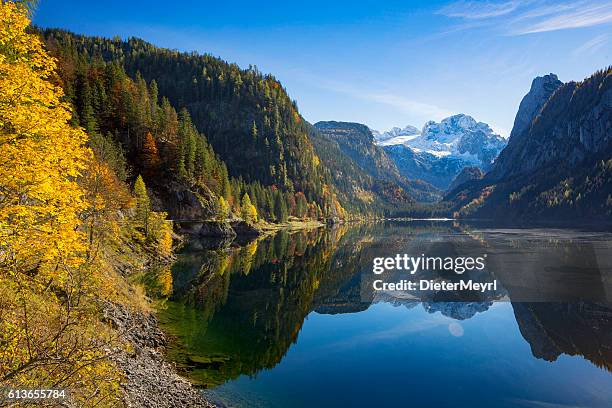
{"x":235,"y":311}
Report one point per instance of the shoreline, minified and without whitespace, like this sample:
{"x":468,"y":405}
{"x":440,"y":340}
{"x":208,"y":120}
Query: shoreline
{"x":150,"y":379}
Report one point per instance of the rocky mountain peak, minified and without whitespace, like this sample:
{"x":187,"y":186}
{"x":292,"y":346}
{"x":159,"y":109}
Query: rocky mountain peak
{"x":462,"y":136}
{"x":542,"y":88}
{"x":571,"y":125}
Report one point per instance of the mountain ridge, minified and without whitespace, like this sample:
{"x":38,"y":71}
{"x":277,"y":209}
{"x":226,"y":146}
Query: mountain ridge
{"x":558,"y":168}
{"x":356,"y":142}
{"x":442,"y":150}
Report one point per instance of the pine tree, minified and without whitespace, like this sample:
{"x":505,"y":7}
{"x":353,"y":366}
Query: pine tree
{"x":280,"y":207}
{"x":188,"y":141}
{"x":301,"y":205}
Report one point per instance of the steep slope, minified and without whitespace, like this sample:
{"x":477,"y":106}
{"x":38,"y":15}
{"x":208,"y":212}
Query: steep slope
{"x":530,"y":107}
{"x":357,"y":189}
{"x":233,"y":107}
{"x":356,"y":143}
{"x":559,"y":167}
{"x":531,"y":104}
{"x":467,"y":174}
{"x":438,"y":171}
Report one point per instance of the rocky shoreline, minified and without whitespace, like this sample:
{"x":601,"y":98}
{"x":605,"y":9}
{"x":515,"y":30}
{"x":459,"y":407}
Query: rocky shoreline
{"x":150,"y":380}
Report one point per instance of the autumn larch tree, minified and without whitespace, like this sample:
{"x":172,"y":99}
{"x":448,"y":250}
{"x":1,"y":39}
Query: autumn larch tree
{"x":248,"y":210}
{"x":150,"y":155}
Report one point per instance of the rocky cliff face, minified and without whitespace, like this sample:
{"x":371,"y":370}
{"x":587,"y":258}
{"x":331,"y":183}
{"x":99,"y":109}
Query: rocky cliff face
{"x":531,"y":104}
{"x":574,"y":123}
{"x":184,"y":202}
{"x":558,"y":167}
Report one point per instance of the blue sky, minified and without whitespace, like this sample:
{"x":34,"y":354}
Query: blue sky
{"x":382,"y":63}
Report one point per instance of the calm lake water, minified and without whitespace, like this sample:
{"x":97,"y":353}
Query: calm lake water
{"x":292,"y":320}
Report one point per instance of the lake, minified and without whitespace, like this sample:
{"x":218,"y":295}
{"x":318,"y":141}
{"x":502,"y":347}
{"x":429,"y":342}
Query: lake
{"x":292,"y":320}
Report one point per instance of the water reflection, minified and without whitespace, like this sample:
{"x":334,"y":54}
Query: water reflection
{"x":576,"y":329}
{"x":237,"y":310}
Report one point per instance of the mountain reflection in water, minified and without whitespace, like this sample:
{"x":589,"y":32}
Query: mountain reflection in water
{"x":235,"y":312}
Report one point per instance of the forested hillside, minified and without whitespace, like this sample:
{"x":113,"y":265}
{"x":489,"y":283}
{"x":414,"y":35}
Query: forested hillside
{"x":140,"y":132}
{"x":338,"y":143}
{"x":358,"y":189}
{"x":246,"y":116}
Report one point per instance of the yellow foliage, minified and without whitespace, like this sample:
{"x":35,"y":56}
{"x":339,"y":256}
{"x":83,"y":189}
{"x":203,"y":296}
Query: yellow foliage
{"x":247,"y":254}
{"x":248,"y":210}
{"x":41,"y":156}
{"x":161,"y":233}
{"x":222,"y":209}
{"x":50,"y":330}
{"x":165,"y":281}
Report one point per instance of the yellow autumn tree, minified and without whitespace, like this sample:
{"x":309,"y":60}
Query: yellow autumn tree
{"x":248,"y":210}
{"x":50,"y":331}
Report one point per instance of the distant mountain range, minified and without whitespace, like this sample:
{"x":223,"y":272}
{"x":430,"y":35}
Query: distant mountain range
{"x":360,"y":167}
{"x":396,"y":135}
{"x":441,"y":150}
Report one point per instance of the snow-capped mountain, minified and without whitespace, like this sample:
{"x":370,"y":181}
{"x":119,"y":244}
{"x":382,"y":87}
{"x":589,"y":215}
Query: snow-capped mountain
{"x":396,"y":135}
{"x":443,"y":149}
{"x":460,"y":136}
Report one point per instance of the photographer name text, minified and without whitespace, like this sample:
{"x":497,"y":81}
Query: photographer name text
{"x":413,"y":264}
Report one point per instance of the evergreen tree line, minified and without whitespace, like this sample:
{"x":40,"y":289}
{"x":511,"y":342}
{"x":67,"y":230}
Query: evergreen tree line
{"x":138,"y":132}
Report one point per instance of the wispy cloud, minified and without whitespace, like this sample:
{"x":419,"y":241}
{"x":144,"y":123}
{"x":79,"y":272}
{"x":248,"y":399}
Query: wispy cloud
{"x":583,"y":15}
{"x":385,"y":97}
{"x":532,"y":16}
{"x":591,"y":46}
{"x":406,"y":105}
{"x":391,"y":334}
{"x":478,"y":10}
